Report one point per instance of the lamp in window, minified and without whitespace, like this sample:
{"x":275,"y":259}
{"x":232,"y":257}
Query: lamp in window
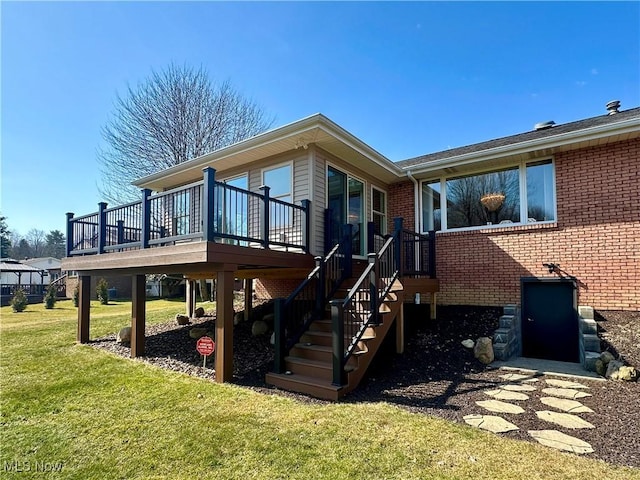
{"x":492,"y":201}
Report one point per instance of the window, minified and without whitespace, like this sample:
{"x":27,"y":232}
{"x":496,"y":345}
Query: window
{"x":233,"y":207}
{"x":518,"y":194}
{"x":279,"y":181}
{"x":379,"y":210}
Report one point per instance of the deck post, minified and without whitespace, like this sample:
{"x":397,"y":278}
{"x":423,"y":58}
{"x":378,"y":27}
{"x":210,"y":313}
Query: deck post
{"x":224,"y":325}
{"x":69,"y":233}
{"x":190,"y":297}
{"x":373,"y":289}
{"x":397,"y":233}
{"x":432,"y":254}
{"x":280,"y":340}
{"x":208,"y":204}
{"x":433,"y":306}
{"x":306,"y":233}
{"x":400,"y":330}
{"x":265,"y":216}
{"x":145,"y":234}
{"x":248,"y":298}
{"x":84,"y":303}
{"x":347,"y":230}
{"x":102,"y":226}
{"x":337,"y":342}
{"x":138,"y":314}
{"x":120,"y":239}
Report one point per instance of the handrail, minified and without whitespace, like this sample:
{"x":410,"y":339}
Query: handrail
{"x":293,"y":315}
{"x":359,"y":310}
{"x":208,"y":209}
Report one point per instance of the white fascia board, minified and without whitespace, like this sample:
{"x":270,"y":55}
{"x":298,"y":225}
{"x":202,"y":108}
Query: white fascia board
{"x":594,"y":133}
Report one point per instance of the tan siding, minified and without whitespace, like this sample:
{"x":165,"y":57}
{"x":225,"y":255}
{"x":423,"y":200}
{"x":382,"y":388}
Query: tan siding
{"x":319,"y":202}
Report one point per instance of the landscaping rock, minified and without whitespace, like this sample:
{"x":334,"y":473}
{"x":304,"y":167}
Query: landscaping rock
{"x":566,"y":420}
{"x":570,"y":393}
{"x":601,"y":367}
{"x":500,"y":407}
{"x":613,"y":367}
{"x":627,"y":374}
{"x":259,"y":327}
{"x":569,"y":406}
{"x":268,"y":318}
{"x":124,"y":335}
{"x":197,"y":332}
{"x":491,"y":423}
{"x":468,"y":343}
{"x":182,"y":319}
{"x":483,"y":350}
{"x":554,"y":382}
{"x":238,"y":317}
{"x":606,"y":357}
{"x":561,"y":441}
{"x":199,"y":312}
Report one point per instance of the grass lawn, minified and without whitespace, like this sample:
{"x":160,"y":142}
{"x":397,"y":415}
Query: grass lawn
{"x":91,"y":415}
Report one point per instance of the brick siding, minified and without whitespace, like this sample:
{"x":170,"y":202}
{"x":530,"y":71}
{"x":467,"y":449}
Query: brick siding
{"x":596,"y":237}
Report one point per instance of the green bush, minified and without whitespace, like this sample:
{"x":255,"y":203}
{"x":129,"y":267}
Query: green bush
{"x":19,"y":301}
{"x":75,"y":296}
{"x":50,"y":297}
{"x":103,"y":291}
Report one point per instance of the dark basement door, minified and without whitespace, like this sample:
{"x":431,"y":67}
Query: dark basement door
{"x":550,"y":319}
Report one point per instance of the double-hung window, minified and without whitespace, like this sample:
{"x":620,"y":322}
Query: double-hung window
{"x":279,"y":179}
{"x":519,"y":194}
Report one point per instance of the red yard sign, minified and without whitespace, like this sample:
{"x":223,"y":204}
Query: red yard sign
{"x":205,"y":346}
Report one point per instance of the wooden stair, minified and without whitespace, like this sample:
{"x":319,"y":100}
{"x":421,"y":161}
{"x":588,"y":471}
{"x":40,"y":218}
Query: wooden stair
{"x":309,"y":364}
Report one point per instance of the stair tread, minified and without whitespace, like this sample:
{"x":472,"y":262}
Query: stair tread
{"x":305,"y":379}
{"x":320,"y":333}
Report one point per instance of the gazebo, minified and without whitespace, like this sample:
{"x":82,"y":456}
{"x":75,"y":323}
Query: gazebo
{"x":13,"y":275}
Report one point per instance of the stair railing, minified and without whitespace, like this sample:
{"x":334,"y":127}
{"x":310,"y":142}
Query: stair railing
{"x":361,"y":308}
{"x":293,"y":315}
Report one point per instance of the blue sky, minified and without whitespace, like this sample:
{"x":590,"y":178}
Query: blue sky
{"x":407,"y":78}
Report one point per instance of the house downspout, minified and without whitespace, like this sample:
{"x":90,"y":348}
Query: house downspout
{"x":416,"y":202}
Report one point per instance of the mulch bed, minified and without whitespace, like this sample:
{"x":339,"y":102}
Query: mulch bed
{"x":435,"y":376}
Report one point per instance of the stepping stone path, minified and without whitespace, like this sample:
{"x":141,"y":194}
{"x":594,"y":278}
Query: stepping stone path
{"x":562,"y":395}
{"x":570,"y":406}
{"x":506,"y":394}
{"x":566,"y":420}
{"x":566,"y":393}
{"x":561,"y":441}
{"x":500,"y":407}
{"x":490,"y":422}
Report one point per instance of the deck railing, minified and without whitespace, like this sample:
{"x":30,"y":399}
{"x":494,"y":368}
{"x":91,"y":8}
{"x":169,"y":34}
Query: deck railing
{"x":205,"y":210}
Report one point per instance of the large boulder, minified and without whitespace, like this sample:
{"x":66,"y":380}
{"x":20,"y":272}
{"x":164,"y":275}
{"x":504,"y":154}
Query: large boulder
{"x":124,"y":335}
{"x":606,"y":357}
{"x":628,"y":374}
{"x":601,"y":368}
{"x":259,"y":327}
{"x":197,"y":332}
{"x":182,"y":319}
{"x":199,"y":312}
{"x":483,"y":350}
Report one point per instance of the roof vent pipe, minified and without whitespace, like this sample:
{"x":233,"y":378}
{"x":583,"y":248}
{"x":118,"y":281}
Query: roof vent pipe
{"x":613,"y":106}
{"x":544,"y":125}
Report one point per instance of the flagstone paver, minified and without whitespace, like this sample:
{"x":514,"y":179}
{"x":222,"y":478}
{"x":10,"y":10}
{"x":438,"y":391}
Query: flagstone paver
{"x":554,"y":382}
{"x":500,"y":407}
{"x":566,"y":405}
{"x":566,"y":420}
{"x":566,"y":393}
{"x":517,"y":377}
{"x":518,"y":387}
{"x":491,"y":423}
{"x":506,"y":394}
{"x":561,"y":441}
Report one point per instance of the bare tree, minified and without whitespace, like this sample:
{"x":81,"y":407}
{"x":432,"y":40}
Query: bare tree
{"x":175,"y":115}
{"x":37,"y":241}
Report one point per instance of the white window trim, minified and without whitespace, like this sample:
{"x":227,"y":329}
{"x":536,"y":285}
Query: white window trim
{"x":386,"y":208}
{"x":522,"y":172}
{"x":275,"y":167}
{"x":235,"y":177}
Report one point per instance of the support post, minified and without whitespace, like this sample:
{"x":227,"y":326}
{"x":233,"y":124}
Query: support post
{"x":433,"y":306}
{"x":120,"y":239}
{"x":397,"y":235}
{"x":373,"y":290}
{"x":102,"y":226}
{"x":69,"y":233}
{"x":280,"y":340}
{"x":400,"y":330}
{"x":190,"y":297}
{"x":138,"y":314}
{"x":432,"y":254}
{"x":265,"y":216}
{"x":248,"y":298}
{"x":306,"y":233}
{"x":84,"y":303}
{"x":145,"y":234}
{"x":337,"y":342}
{"x":208,"y":205}
{"x":224,"y":326}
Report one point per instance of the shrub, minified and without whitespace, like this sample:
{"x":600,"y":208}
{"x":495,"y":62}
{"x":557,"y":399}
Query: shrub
{"x":50,"y":297}
{"x":75,"y":296}
{"x":19,"y":301}
{"x":103,"y":291}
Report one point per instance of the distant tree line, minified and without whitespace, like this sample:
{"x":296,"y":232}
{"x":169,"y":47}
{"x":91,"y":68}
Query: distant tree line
{"x":36,"y":243}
